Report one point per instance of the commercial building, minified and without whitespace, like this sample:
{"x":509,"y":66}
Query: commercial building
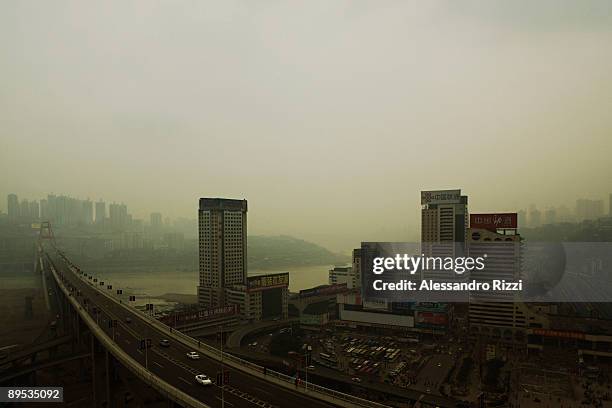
{"x":444,"y":220}
{"x":203,"y":321}
{"x":576,"y":331}
{"x":319,"y":295}
{"x":263,"y":297}
{"x":496,"y":317}
{"x":222,"y":247}
{"x":356,"y":312}
{"x":343,"y":274}
{"x":444,"y":216}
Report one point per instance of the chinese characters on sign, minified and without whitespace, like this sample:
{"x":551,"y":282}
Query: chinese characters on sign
{"x":493,"y":222}
{"x":262,"y":282}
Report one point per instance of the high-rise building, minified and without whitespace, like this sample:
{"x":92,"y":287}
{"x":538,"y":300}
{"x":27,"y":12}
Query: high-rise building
{"x":44,"y":210}
{"x":12,"y":207}
{"x":535,"y":217}
{"x":118,"y":215}
{"x":444,"y":221}
{"x":88,"y":212}
{"x":444,"y":216}
{"x":34,"y":211}
{"x":156,"y":220}
{"x":495,"y":317}
{"x":100,"y":212}
{"x":589,"y":209}
{"x":222,"y":247}
{"x":24,"y":209}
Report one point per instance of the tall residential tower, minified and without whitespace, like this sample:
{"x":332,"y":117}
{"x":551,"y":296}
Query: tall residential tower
{"x":223,"y":248}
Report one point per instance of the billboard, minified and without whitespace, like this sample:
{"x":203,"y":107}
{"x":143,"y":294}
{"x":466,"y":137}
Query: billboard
{"x":324,"y":290}
{"x":440,"y":197}
{"x":558,"y":333}
{"x":376,"y":304}
{"x":429,"y":319}
{"x":201,"y":314}
{"x":263,"y":282}
{"x":493,"y":222}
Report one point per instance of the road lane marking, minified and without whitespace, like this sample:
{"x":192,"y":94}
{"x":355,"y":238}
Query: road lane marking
{"x":185,"y":381}
{"x":226,"y":403}
{"x":157,"y":364}
{"x":263,"y":391}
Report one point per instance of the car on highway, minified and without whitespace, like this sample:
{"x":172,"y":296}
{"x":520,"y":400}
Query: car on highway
{"x":164,"y":343}
{"x":203,"y":379}
{"x":311,"y":367}
{"x":192,"y":355}
{"x":128,"y":320}
{"x":356,"y":379}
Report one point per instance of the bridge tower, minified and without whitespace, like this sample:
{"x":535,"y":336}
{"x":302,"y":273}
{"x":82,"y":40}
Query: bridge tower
{"x":46,"y":233}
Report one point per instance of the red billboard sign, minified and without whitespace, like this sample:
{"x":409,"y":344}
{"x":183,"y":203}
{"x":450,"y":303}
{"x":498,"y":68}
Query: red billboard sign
{"x":494,"y":222}
{"x":427,"y":319}
{"x":559,"y":333}
{"x":263,"y":282}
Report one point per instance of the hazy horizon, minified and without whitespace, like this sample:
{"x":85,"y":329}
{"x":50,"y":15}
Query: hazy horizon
{"x":328,"y":117}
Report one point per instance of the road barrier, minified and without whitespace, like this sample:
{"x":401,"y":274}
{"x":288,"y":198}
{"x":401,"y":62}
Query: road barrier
{"x":288,"y":382}
{"x":147,"y":376}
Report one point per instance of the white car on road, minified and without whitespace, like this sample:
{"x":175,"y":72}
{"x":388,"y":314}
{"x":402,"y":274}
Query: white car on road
{"x":193,"y":355}
{"x":202,"y":379}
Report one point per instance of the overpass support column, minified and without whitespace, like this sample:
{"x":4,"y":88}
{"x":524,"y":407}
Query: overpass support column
{"x":93,"y":369}
{"x":77,"y":325}
{"x":109,"y":402}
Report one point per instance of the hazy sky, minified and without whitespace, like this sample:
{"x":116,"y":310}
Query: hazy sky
{"x":328,"y":116}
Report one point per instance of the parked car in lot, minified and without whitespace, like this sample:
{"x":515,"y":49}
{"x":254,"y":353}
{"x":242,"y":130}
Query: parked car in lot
{"x":193,"y":355}
{"x":203,"y":379}
{"x":164,"y":343}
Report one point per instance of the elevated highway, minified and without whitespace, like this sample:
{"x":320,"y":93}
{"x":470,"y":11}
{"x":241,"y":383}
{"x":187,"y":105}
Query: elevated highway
{"x":122,"y":330}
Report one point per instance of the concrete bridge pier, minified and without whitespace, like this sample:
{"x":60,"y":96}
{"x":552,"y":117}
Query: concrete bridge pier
{"x":109,"y":401}
{"x":93,"y":370}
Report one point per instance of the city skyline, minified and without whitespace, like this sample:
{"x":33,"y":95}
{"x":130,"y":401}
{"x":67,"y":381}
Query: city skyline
{"x":528,"y":217}
{"x":179,"y":104}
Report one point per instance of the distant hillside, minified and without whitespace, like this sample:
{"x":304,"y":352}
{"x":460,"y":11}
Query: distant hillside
{"x":265,"y":252}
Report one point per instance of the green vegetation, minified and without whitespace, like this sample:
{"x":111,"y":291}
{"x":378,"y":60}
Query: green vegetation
{"x":284,"y":251}
{"x":264,"y":253}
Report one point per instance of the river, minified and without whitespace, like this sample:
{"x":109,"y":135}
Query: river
{"x":156,"y":282}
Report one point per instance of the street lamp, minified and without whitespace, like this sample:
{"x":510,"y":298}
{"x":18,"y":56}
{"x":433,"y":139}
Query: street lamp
{"x":307,"y":352}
